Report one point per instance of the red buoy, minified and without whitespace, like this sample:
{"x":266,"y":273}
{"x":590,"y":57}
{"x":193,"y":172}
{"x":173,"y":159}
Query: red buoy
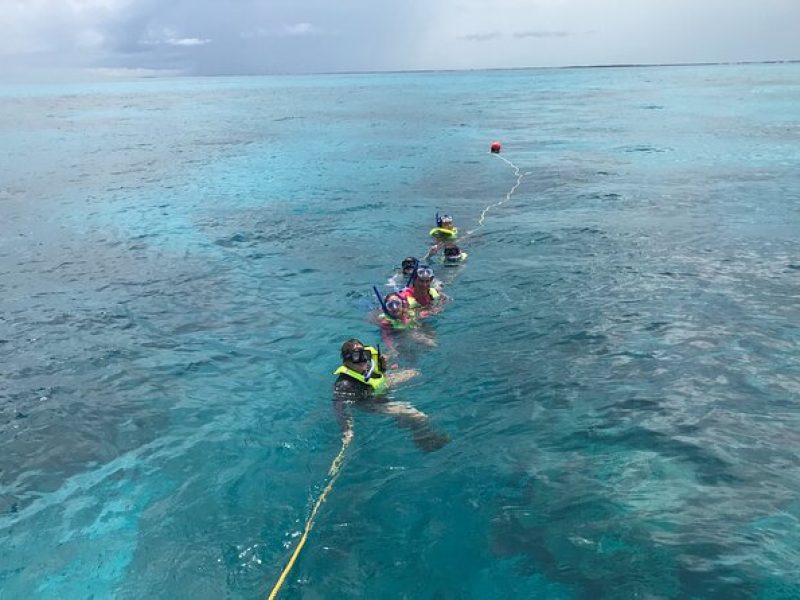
{"x":496,"y":147}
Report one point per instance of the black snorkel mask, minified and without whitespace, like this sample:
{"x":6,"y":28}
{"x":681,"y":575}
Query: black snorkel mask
{"x":362,"y":356}
{"x":452,"y":253}
{"x":409,"y":264}
{"x":358,"y":356}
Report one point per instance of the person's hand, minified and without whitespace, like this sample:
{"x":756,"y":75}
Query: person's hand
{"x":347,"y":436}
{"x":383,"y":363}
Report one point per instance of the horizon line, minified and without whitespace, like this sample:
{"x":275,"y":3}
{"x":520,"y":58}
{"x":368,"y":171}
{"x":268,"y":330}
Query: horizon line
{"x":123,"y":75}
{"x":589,"y":66}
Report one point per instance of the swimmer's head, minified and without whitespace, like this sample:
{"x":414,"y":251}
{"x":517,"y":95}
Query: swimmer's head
{"x":446,"y":222}
{"x":353,"y":352}
{"x":394,"y":304}
{"x":452,"y":253}
{"x":423,"y":275}
{"x":409,"y":265}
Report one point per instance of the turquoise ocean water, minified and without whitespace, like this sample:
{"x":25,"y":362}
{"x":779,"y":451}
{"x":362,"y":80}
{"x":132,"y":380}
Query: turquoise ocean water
{"x":180,"y":261}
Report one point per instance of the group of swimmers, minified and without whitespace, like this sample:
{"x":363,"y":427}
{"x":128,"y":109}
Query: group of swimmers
{"x":365,"y":376}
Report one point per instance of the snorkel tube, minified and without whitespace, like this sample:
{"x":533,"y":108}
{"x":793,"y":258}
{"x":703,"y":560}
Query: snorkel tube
{"x":374,"y":367}
{"x":380,"y":300}
{"x":438,"y":219}
{"x":371,"y":370}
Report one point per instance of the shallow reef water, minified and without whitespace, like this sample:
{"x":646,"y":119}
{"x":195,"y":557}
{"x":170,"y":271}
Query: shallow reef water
{"x":181,"y":259}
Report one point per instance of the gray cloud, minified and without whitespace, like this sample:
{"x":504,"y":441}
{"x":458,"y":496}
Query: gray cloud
{"x":268,"y":36}
{"x":541,"y":34}
{"x":262,"y":37}
{"x":481,"y":37}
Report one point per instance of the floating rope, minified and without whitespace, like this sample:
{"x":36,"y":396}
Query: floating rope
{"x":333,"y":473}
{"x":336,"y":465}
{"x":518,"y":174}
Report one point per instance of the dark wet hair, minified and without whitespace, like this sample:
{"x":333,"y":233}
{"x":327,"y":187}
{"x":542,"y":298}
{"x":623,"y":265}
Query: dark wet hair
{"x":409,"y":262}
{"x":392,"y":295}
{"x":348,"y":347}
{"x":452,"y":251}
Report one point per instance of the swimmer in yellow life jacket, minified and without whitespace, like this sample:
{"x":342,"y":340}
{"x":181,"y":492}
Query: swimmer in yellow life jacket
{"x":445,"y":232}
{"x":396,"y":314}
{"x":445,"y":229}
{"x":396,"y":318}
{"x":362,"y":380}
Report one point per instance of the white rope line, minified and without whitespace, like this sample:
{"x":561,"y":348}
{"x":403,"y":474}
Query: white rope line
{"x":519,"y":175}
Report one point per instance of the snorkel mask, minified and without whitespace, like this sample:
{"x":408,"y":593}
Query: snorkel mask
{"x":452,"y":254}
{"x":358,"y":356}
{"x":394,"y":305}
{"x":409,"y":265}
{"x":424,"y":273}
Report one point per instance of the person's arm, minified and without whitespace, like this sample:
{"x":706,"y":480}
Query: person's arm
{"x":343,"y":395}
{"x":433,"y":250}
{"x":343,"y":418}
{"x":387,"y":338}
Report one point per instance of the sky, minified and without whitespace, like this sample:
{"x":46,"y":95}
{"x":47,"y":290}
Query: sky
{"x":52,"y":38}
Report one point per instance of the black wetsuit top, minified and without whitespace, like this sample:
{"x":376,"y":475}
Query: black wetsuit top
{"x":346,"y":390}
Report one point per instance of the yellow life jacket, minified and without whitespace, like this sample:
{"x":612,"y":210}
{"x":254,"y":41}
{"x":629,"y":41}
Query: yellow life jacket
{"x":412,"y":302}
{"x":441,"y":232}
{"x":396,"y":323}
{"x":376,"y":381}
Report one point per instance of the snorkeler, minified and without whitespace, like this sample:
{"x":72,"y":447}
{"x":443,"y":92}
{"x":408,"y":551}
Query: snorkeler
{"x":445,"y":233}
{"x":407,"y":269}
{"x":409,"y":265}
{"x":363,"y":380}
{"x":453,"y":255}
{"x":396,"y":314}
{"x":420,"y":294}
{"x":445,"y":229}
{"x":397,"y":317}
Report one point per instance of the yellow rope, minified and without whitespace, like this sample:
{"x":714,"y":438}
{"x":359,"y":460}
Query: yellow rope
{"x":333,"y":473}
{"x":336,"y":465}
